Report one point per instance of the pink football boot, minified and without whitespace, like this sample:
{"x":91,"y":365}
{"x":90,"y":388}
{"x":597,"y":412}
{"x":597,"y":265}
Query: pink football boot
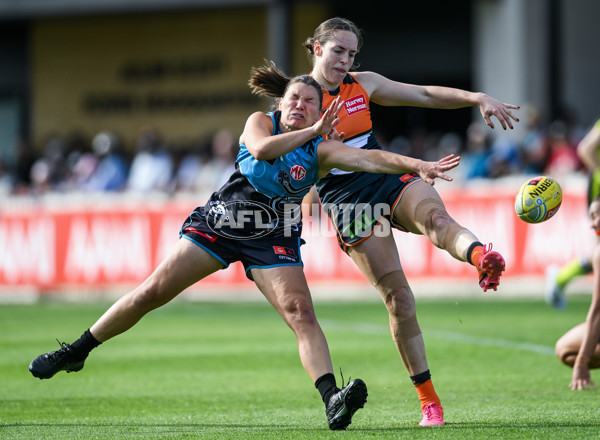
{"x":490,"y":266}
{"x":433,"y":414}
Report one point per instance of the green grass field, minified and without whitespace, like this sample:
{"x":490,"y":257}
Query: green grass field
{"x":231,"y":371}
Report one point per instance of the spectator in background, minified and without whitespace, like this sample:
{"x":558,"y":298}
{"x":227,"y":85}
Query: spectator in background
{"x":504,"y":158}
{"x":446,"y":144}
{"x":25,"y":158}
{"x":110,"y":173}
{"x":420,"y":142}
{"x":449,"y":143}
{"x":574,"y":132}
{"x":190,"y":161}
{"x":152,"y":167}
{"x":562,"y":156}
{"x":477,"y":151}
{"x":215,"y":172}
{"x":416,"y":144}
{"x":399,"y":145}
{"x":81,"y":168}
{"x":67,"y":163}
{"x":48,"y":171}
{"x":77,"y":149}
{"x":534,"y":149}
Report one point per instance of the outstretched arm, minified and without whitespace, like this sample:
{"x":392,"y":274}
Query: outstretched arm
{"x":334,"y":154}
{"x":260,"y":142}
{"x":384,"y":91}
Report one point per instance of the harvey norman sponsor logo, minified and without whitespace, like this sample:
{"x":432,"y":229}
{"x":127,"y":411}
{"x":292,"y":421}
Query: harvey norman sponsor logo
{"x":355,"y":104}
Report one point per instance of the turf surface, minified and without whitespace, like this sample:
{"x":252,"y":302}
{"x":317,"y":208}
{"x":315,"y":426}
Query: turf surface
{"x":231,"y":371}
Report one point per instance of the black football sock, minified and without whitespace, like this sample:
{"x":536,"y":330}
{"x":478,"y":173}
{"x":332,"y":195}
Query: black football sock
{"x":421,"y":378}
{"x":85,"y":344}
{"x":326,"y":386}
{"x":470,"y":252}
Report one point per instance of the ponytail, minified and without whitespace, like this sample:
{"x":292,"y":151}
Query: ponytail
{"x":269,"y":80}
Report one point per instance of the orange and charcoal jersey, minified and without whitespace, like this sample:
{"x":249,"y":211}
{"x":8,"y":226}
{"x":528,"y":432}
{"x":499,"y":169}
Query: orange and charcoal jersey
{"x":356,"y":201}
{"x":355,"y":122}
{"x":355,"y":116}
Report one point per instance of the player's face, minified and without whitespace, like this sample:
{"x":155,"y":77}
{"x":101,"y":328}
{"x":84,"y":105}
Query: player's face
{"x":299,"y":107}
{"x":595,"y":216}
{"x":334,"y":58}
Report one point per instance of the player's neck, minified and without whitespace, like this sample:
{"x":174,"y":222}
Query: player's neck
{"x":323,"y":82}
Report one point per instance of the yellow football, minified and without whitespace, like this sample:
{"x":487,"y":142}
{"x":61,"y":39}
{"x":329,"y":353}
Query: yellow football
{"x":538,"y":199}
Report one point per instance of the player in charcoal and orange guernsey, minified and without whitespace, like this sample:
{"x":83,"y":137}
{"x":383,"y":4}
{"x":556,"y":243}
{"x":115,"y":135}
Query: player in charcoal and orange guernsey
{"x":282,"y":154}
{"x":557,"y":278}
{"x":579,"y":348}
{"x":413,"y":206}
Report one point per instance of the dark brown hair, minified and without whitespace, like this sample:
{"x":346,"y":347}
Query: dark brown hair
{"x":269,"y":80}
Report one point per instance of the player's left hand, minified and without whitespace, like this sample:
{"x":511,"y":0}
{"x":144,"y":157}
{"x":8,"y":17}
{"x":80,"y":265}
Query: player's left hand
{"x":329,"y":119}
{"x":581,"y":378}
{"x":336,"y":136}
{"x":489,"y":107}
{"x":431,"y":170}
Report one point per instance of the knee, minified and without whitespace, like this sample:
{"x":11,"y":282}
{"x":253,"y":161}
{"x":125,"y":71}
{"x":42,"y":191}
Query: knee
{"x":565,"y":353}
{"x":397,"y":296}
{"x":298,"y":311}
{"x":401,"y":303}
{"x":438,"y":220}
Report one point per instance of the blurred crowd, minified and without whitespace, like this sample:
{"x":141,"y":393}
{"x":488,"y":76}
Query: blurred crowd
{"x":101,"y":164}
{"x":548,"y":149}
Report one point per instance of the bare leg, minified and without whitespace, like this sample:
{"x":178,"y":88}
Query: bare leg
{"x":567,"y":347}
{"x":377,"y":258}
{"x":286,"y":289}
{"x":422,"y":211}
{"x":187,"y":264}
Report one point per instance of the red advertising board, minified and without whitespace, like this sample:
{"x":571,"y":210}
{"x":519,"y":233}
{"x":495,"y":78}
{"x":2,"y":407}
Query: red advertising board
{"x":57,"y":248}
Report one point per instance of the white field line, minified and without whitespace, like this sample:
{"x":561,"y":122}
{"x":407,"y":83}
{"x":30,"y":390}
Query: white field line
{"x":463,"y":338}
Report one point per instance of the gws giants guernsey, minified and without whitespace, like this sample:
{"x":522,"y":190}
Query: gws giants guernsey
{"x":355,"y":121}
{"x":355,"y":117}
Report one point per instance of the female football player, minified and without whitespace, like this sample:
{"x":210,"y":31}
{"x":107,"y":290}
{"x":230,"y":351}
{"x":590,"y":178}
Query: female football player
{"x":255,"y":218}
{"x":579,"y":347}
{"x":557,"y":278}
{"x":414,"y":206}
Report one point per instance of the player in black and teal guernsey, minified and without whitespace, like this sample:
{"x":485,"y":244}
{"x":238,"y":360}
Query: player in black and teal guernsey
{"x":255,"y":218}
{"x":557,"y":278}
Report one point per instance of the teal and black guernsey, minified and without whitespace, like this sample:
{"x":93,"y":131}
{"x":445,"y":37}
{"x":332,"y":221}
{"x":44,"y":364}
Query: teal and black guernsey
{"x":265,"y":195}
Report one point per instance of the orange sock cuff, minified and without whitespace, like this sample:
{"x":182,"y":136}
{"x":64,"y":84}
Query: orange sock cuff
{"x":427,"y":394}
{"x":474,"y":252}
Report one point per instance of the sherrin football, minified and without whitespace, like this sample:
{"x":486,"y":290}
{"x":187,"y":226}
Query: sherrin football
{"x":538,"y":199}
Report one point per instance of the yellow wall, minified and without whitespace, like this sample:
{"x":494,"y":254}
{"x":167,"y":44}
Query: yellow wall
{"x":184,"y":73}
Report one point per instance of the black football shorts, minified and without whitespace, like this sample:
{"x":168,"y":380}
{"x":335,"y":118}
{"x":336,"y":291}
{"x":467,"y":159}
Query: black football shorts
{"x":262,"y":252}
{"x":356,"y":214}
